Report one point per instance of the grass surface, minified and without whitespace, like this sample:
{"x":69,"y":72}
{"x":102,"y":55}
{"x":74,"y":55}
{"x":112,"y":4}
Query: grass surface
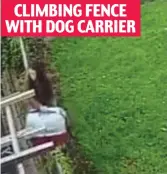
{"x":117,"y":90}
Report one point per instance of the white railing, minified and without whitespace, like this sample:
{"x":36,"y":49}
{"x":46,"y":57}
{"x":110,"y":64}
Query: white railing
{"x":14,"y":136}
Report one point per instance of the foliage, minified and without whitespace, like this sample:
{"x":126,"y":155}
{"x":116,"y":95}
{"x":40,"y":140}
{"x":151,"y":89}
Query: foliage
{"x":117,"y":90}
{"x":146,"y":1}
{"x":56,"y":157}
{"x":35,"y":48}
{"x":11,"y":54}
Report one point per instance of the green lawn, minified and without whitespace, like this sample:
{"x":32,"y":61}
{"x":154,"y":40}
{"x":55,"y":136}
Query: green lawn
{"x":117,"y":90}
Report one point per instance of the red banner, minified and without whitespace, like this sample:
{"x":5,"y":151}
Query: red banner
{"x":70,"y":18}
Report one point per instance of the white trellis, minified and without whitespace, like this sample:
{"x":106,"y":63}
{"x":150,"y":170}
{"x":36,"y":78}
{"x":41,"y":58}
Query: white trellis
{"x":13,"y":138}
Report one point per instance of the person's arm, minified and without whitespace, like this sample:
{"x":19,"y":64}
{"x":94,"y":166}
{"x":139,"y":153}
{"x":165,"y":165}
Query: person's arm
{"x":34,"y":104}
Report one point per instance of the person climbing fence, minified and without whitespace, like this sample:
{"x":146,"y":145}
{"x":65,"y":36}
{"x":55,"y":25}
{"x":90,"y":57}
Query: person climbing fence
{"x":41,"y":110}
